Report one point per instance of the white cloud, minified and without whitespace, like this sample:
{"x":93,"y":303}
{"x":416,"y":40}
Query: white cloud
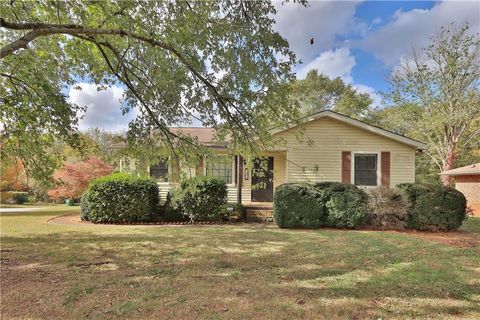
{"x":103,"y":107}
{"x":333,"y":63}
{"x":321,"y":20}
{"x":376,"y":98}
{"x":414,"y":28}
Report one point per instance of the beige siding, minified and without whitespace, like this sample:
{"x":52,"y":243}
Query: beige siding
{"x":317,"y":157}
{"x":231,"y":193}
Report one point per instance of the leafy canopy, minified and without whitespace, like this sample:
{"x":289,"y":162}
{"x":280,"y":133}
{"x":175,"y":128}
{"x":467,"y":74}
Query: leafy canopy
{"x":436,"y":93}
{"x":317,"y":92}
{"x":219,"y":62}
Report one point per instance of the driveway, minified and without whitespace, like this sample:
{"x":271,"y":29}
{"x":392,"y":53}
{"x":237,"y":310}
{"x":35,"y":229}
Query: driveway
{"x":13,"y":210}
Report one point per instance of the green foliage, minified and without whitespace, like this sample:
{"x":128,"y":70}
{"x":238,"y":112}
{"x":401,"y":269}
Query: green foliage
{"x":330,"y":204}
{"x":387,"y":208}
{"x":298,"y":206}
{"x":201,"y":198}
{"x":121,"y":197}
{"x":20,"y":197}
{"x":212,"y":56}
{"x":434,"y":207}
{"x":317,"y":92}
{"x":172,"y":211}
{"x":439,"y":84}
{"x":84,"y":206}
{"x":345,"y":203}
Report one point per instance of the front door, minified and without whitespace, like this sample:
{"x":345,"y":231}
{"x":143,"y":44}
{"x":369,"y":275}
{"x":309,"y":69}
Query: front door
{"x":262,"y":180}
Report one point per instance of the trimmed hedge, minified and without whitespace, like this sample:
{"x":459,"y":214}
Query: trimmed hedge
{"x":322,"y":204}
{"x":434,"y":207}
{"x":298,"y":206}
{"x":345,"y":203}
{"x":201,"y":198}
{"x":121,"y":197}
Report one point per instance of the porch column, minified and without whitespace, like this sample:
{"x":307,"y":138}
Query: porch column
{"x":239,"y":178}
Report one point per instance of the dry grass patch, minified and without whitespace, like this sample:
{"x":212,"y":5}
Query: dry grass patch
{"x":235,"y":272}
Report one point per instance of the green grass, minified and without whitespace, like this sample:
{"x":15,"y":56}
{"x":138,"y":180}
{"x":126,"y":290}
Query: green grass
{"x":234,"y":272}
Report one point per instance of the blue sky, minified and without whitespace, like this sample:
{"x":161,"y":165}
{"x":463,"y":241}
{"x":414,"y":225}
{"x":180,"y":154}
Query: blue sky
{"x":359,"y":41}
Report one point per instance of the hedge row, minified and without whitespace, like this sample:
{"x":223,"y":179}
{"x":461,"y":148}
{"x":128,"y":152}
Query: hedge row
{"x":323,"y":204}
{"x":120,"y":197}
{"x":198,"y":199}
{"x":415,"y":206}
{"x":434,"y":207}
{"x":126,"y":198}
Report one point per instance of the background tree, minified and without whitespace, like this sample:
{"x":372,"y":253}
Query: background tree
{"x":441,"y":84}
{"x":73,"y":178}
{"x":219,"y":62}
{"x":318,"y":92}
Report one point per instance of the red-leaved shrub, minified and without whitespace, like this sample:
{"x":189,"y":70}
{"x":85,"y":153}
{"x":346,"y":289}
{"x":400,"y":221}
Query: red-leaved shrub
{"x":73,"y":178}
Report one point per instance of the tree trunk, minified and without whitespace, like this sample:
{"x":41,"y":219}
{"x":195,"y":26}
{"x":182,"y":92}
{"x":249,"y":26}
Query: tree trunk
{"x":448,"y":164}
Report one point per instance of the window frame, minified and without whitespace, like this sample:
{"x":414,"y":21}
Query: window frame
{"x":379,"y":170}
{"x":166,"y":178}
{"x":206,"y":159}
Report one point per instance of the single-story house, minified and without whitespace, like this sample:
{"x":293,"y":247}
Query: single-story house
{"x":334,"y":148}
{"x":467,"y":181}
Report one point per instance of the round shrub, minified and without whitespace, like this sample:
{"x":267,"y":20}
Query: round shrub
{"x":20,"y":197}
{"x":387,"y":208}
{"x":121,"y":197}
{"x":202,"y":198}
{"x":435,"y":207}
{"x":345,"y":204}
{"x":298,"y":206}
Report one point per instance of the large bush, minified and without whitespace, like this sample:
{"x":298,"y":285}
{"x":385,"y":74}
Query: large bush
{"x":387,"y":208}
{"x":298,"y":206}
{"x":201,"y":198}
{"x":434,"y":207}
{"x":121,"y":197}
{"x":345,"y":203}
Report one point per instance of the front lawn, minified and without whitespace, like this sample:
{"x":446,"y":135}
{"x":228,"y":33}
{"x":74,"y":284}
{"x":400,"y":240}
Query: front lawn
{"x":234,"y":272}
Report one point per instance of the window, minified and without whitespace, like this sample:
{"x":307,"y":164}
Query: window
{"x":160,"y":170}
{"x":220,"y":167}
{"x":365,"y":170}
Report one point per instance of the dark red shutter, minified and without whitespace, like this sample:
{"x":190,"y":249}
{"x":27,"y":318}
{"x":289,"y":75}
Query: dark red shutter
{"x":385,"y":169}
{"x":346,"y":167}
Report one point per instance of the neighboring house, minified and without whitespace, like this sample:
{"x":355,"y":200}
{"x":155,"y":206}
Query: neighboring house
{"x":467,"y":181}
{"x":333,"y":147}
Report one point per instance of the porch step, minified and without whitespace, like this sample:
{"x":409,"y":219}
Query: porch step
{"x":261,"y":214}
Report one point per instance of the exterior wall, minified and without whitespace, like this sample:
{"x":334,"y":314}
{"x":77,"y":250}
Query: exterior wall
{"x":317,"y":157}
{"x":469,"y":185}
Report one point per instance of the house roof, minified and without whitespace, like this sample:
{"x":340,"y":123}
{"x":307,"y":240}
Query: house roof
{"x":206,"y":135}
{"x":360,"y":124}
{"x":473,"y":169}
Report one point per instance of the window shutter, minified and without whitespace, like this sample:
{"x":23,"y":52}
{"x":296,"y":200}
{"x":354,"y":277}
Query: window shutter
{"x":346,"y":167}
{"x":385,"y":169}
